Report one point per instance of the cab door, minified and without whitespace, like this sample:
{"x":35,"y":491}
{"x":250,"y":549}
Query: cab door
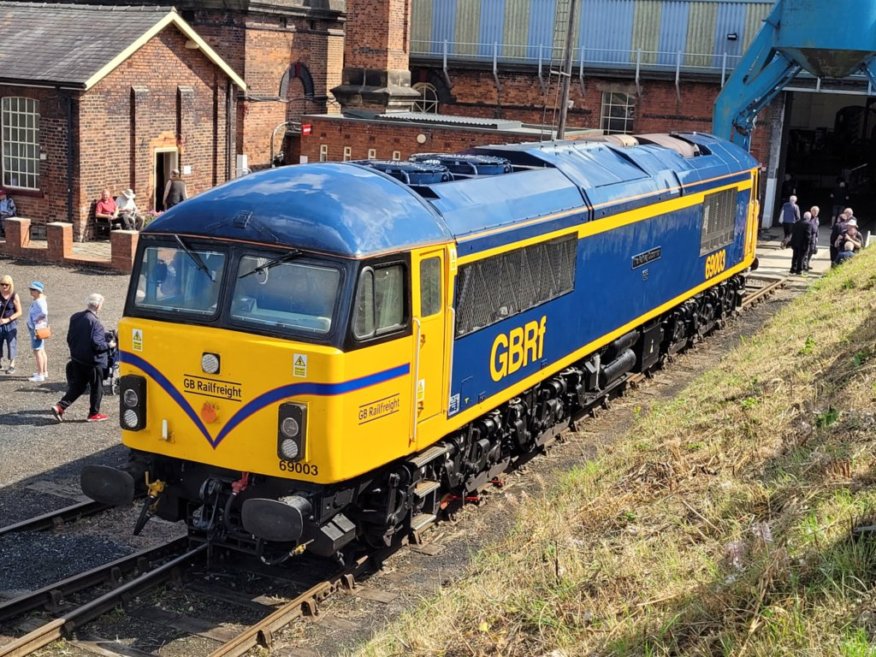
{"x":429,"y":311}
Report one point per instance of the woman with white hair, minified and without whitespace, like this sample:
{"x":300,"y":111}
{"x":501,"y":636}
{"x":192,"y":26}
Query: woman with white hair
{"x":88,"y":359}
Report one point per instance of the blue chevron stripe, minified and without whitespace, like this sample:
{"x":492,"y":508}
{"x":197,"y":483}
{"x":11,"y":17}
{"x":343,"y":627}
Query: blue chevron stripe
{"x":263,"y":400}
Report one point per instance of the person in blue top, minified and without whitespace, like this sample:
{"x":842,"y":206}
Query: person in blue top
{"x":89,"y":348}
{"x":790,"y":216}
{"x":38,"y":316}
{"x":7,"y":209}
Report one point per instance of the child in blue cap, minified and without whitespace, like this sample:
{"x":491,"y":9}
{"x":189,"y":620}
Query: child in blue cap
{"x":38,"y":317}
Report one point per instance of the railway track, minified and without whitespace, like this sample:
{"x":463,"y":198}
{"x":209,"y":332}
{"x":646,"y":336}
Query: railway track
{"x":54,"y":519}
{"x":305,"y":602}
{"x":759,"y":286}
{"x":53,"y":596}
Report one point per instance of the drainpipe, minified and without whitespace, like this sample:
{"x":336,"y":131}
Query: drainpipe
{"x":229,"y":128}
{"x":68,"y":110}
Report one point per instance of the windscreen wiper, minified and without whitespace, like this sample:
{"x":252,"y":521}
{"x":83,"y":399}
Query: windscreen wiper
{"x":195,"y":257}
{"x":279,"y":260}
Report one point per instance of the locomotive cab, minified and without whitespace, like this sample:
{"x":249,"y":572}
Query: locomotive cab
{"x":257,"y":374}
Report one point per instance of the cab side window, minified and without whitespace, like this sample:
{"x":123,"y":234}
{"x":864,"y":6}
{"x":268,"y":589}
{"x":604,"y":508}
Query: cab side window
{"x":380,"y":301}
{"x":430,"y":286}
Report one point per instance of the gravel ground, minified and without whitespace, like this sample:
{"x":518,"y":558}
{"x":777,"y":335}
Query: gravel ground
{"x":32,"y":443}
{"x":40,"y":459}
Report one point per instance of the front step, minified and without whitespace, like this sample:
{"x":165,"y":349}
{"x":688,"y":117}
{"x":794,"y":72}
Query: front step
{"x":422,"y":520}
{"x":425,"y":486}
{"x":429,"y":455}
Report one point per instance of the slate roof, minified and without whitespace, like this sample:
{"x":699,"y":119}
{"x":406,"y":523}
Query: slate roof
{"x":75,"y":45}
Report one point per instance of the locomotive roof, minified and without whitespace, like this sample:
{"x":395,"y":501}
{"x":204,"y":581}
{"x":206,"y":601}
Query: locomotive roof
{"x":355,"y":210}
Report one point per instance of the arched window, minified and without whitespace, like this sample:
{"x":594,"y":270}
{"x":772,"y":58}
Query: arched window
{"x":20,"y":120}
{"x":428,"y":101}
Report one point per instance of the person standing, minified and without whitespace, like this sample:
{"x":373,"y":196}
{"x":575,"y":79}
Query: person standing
{"x":38,"y":317}
{"x":801,"y":242}
{"x":10,"y":311}
{"x":89,"y":347}
{"x":839,"y":198}
{"x":174,"y":190}
{"x":814,"y":211}
{"x":790,"y":216}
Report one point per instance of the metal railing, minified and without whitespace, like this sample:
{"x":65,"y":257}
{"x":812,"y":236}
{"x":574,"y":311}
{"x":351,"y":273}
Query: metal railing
{"x":495,"y":53}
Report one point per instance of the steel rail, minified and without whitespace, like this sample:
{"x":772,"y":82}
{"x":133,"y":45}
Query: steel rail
{"x":307,"y":603}
{"x":59,"y":627}
{"x":772,"y":284}
{"x":51,"y":596}
{"x":55,"y":518}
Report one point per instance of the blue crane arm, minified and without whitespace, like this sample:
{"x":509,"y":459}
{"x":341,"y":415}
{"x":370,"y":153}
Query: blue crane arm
{"x":829,"y":38}
{"x":761,"y":74}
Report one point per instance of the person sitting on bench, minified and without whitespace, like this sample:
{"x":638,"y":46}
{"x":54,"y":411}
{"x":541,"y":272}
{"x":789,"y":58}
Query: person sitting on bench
{"x":128,"y":211}
{"x":7,"y":209}
{"x":106,"y":209}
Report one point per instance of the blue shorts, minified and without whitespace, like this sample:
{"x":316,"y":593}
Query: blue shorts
{"x":35,"y":343}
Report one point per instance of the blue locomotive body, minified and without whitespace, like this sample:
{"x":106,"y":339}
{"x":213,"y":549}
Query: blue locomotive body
{"x":320,"y":353}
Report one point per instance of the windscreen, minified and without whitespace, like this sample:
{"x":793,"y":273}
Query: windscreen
{"x":285,"y":294}
{"x":180,"y":280}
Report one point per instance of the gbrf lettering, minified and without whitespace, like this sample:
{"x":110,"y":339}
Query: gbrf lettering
{"x":520,"y":347}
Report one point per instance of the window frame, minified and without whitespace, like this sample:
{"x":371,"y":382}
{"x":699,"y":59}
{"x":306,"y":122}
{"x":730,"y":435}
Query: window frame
{"x":607,"y":119}
{"x":223,"y":318}
{"x":439,"y":302}
{"x":6,"y":143}
{"x":354,"y":341}
{"x":428,"y":102}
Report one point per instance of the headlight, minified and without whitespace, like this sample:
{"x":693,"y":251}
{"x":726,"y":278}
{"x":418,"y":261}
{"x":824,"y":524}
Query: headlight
{"x":132,"y":402}
{"x":291,"y":431}
{"x":210,"y":363}
{"x":289,"y":427}
{"x":130,"y":419}
{"x":289,"y":449}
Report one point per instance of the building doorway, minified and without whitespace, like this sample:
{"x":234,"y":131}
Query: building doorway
{"x":831,"y":138}
{"x":166,"y":160}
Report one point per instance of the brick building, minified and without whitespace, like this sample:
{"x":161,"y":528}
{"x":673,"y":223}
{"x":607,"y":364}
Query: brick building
{"x":114,"y":99}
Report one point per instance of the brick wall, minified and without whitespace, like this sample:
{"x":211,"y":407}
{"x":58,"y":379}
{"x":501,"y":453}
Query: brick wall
{"x":522,"y":97}
{"x":262,"y":48}
{"x":657,"y":110}
{"x":377,"y":34}
{"x":49,"y":202}
{"x":164,"y":96}
{"x":385,"y":137}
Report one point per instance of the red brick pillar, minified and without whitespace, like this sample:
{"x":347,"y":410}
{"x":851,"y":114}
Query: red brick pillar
{"x":123,"y":246}
{"x":376,"y":56}
{"x":17,"y":235}
{"x":59,"y":235}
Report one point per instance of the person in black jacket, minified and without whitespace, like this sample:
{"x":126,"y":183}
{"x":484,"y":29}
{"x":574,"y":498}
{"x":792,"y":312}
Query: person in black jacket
{"x":802,"y":235}
{"x":88,"y":344}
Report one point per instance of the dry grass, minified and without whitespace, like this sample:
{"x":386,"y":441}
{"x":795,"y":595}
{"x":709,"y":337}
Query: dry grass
{"x":720,"y":526}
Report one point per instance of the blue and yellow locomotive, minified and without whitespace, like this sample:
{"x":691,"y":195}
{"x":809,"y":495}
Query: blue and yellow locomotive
{"x":320,"y":353}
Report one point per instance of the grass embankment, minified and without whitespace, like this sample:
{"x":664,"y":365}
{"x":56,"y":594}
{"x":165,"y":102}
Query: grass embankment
{"x":721,"y":525}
